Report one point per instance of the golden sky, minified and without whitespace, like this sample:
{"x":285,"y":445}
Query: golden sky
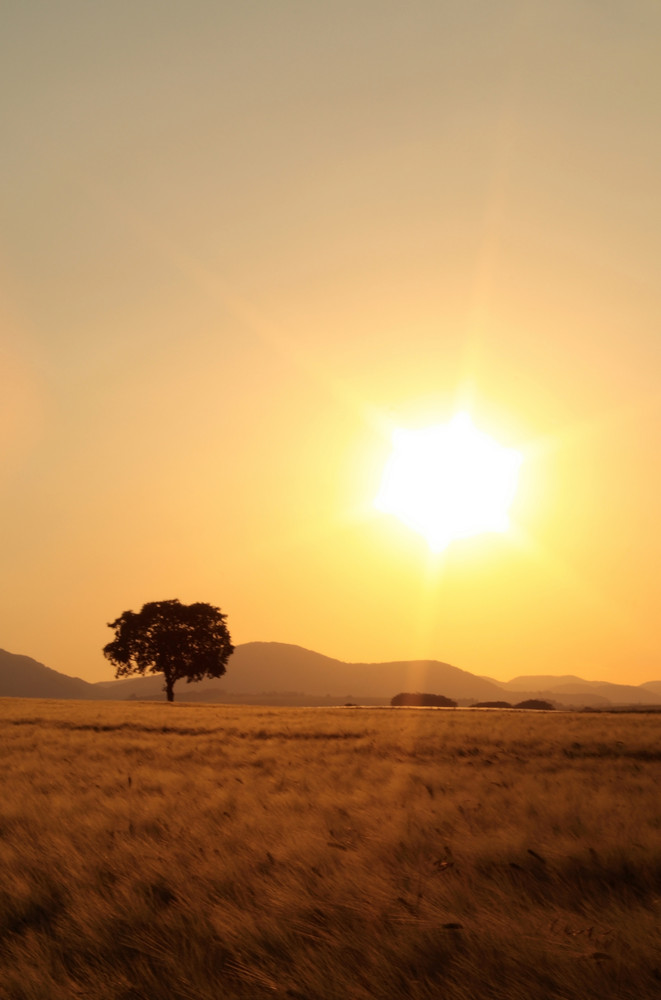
{"x":243,"y":242}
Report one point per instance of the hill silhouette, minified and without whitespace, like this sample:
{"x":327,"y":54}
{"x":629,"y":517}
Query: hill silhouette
{"x":653,"y":686}
{"x":276,"y":668}
{"x":270,"y":666}
{"x":23,"y":677}
{"x":541,"y":681}
{"x":575,"y":691}
{"x":280,"y":673}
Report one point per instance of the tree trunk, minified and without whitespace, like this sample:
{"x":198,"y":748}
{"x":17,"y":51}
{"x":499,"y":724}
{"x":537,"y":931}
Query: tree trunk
{"x":169,"y":689}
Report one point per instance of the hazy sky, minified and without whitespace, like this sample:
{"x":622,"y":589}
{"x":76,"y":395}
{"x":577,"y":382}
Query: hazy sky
{"x":241,"y":242}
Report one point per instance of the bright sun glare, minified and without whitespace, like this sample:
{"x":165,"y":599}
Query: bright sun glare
{"x":449,"y":481}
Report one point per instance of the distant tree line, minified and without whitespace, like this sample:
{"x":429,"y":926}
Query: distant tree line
{"x":544,"y":706}
{"x":440,"y":701}
{"x":428,"y":700}
{"x":537,"y":703}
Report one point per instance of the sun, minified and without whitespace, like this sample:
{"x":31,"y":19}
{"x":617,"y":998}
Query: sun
{"x":449,"y":481}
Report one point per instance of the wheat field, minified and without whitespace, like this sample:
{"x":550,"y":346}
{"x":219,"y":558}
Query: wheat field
{"x":204,"y":852}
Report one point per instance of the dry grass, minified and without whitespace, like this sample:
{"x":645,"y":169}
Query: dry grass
{"x":206,"y":852}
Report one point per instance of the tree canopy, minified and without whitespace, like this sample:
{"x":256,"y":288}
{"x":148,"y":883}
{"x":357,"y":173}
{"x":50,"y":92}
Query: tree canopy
{"x":180,"y":641}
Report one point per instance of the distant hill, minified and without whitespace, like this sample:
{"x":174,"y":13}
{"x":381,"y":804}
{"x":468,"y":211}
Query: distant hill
{"x":538,"y":682}
{"x":23,"y":677}
{"x":280,"y":673}
{"x":575,"y":691}
{"x":654,"y":686}
{"x":272,"y":668}
{"x":625,"y":694}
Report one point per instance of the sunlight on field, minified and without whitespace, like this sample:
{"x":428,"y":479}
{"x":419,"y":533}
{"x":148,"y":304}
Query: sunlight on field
{"x":189,"y":852}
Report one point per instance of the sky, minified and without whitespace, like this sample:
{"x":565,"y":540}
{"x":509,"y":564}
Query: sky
{"x":242,"y":243}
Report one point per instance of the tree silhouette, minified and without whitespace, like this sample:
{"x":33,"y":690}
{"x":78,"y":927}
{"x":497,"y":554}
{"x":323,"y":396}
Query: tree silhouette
{"x":177,"y":640}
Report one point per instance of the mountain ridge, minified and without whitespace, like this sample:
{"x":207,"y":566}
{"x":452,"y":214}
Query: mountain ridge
{"x":289,"y":674}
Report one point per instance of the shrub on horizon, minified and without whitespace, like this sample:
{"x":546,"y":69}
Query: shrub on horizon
{"x":542,"y":706}
{"x":426,"y":700}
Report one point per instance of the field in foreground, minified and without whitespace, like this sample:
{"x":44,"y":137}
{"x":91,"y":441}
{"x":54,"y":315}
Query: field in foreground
{"x":206,"y":852}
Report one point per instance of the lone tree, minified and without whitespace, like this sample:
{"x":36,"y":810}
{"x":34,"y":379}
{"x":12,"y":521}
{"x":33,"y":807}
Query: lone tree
{"x":177,"y":640}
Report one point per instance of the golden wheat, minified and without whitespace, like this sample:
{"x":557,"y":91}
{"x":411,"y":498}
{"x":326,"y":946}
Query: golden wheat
{"x":197,"y":852}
